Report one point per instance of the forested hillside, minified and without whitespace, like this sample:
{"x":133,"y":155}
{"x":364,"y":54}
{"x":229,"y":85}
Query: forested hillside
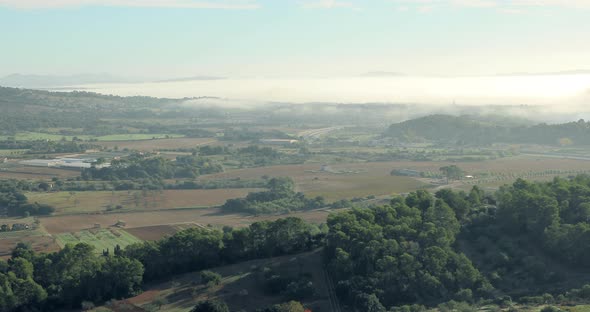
{"x":469,"y":130}
{"x":426,"y":250}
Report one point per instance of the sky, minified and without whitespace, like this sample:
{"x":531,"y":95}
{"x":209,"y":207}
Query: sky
{"x":292,"y":38}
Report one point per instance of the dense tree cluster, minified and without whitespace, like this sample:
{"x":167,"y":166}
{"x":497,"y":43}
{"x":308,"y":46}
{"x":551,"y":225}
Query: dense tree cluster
{"x":539,"y":234}
{"x":400,"y":254}
{"x":139,"y":167}
{"x":42,"y":282}
{"x":14,"y":203}
{"x":467,"y":130}
{"x":280,"y":198}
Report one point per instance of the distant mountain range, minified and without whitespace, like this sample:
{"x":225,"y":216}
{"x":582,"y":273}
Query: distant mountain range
{"x":382,"y":74}
{"x":564,"y":72}
{"x":191,"y":79}
{"x":46,"y":81}
{"x":53,"y":81}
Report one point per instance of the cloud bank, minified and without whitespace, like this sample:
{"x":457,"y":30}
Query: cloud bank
{"x":189,"y":4}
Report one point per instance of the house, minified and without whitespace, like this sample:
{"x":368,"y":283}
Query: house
{"x":278,"y":141}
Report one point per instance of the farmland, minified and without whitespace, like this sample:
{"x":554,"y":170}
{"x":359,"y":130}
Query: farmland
{"x":155,"y":232}
{"x":348,"y":180}
{"x":16,"y":171}
{"x":157,"y":144}
{"x":101,"y":239}
{"x":213,"y":216}
{"x":29,"y":136}
{"x":100,"y":201}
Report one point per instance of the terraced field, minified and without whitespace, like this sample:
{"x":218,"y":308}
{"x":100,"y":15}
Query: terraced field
{"x":101,"y":239}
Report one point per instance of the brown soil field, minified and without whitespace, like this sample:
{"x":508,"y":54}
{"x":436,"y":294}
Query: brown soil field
{"x":374,"y":179}
{"x":342,"y":181}
{"x":152,"y":145}
{"x":40,"y":243}
{"x":156,"y":232}
{"x":37,"y":173}
{"x":90,"y":202}
{"x":213,"y":216}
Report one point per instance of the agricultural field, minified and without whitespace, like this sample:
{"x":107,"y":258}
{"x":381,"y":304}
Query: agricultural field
{"x":30,"y":136}
{"x":39,"y":243}
{"x":38,"y":238}
{"x":156,"y":232}
{"x":348,"y":180}
{"x":101,"y":239}
{"x":341,"y":181}
{"x":157,"y":144}
{"x":101,"y":201}
{"x":241,"y":286}
{"x":213,"y":216}
{"x":13,"y":170}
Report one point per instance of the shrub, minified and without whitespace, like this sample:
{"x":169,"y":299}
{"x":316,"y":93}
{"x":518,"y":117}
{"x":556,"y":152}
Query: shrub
{"x":210,"y":278}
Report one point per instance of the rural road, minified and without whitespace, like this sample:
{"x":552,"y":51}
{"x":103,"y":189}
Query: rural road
{"x":332,"y":293}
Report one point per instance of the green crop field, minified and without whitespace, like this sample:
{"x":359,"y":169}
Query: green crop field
{"x":101,"y":239}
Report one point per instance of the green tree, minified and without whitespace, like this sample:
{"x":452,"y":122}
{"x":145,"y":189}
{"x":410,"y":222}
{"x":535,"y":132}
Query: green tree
{"x":452,"y":172}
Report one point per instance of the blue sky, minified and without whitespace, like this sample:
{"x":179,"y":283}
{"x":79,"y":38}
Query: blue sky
{"x":267,"y":38}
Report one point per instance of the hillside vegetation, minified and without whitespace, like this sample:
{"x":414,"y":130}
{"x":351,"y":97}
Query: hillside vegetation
{"x":469,"y":130}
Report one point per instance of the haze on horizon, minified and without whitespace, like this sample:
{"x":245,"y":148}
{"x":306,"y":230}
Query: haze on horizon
{"x":422,"y":51}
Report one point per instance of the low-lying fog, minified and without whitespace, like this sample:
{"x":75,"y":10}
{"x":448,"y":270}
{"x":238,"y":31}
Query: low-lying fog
{"x":566,"y":92}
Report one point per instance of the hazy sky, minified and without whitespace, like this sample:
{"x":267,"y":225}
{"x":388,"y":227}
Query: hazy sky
{"x":262,"y":38}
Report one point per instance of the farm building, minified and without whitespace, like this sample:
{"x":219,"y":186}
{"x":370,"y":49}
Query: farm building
{"x":278,"y":141}
{"x":63,"y":162}
{"x":40,"y":162}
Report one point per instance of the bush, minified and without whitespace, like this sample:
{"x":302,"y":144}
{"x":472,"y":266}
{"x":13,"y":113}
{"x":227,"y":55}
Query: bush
{"x":210,"y":278}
